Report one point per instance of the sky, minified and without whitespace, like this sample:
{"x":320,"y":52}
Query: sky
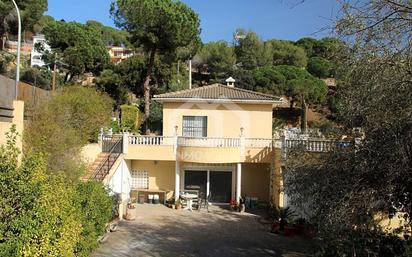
{"x":280,"y":19}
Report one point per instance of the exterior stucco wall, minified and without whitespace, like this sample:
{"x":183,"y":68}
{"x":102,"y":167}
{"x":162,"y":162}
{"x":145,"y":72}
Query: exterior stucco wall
{"x":256,"y":181}
{"x":90,"y":152}
{"x":18,"y":120}
{"x":224,"y":120}
{"x":161,"y":174}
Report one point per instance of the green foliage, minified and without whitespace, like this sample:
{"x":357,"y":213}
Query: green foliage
{"x":31,"y":13}
{"x":61,"y":126}
{"x":80,"y":47}
{"x":37,"y":77}
{"x":172,"y":23}
{"x":269,"y":80}
{"x":286,"y":53}
{"x":112,"y":83}
{"x":38,"y":215}
{"x":131,"y":118}
{"x":95,"y":210}
{"x":109,"y":35}
{"x":219,"y":58}
{"x":251,"y":51}
{"x":320,"y":67}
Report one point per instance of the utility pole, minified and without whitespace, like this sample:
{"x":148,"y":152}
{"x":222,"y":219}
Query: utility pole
{"x":190,"y":72}
{"x":16,"y":85}
{"x":54,"y":73}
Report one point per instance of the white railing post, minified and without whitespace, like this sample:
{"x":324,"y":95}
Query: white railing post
{"x":242,"y":143}
{"x":125,"y":142}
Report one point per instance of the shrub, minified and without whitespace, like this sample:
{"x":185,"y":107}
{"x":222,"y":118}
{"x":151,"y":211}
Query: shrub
{"x":131,"y":118}
{"x":61,"y":126}
{"x":96,"y":208}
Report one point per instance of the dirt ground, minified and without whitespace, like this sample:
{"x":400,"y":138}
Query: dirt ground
{"x":160,"y":231}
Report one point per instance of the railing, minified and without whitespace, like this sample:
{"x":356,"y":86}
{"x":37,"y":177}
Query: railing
{"x":311,"y":145}
{"x":108,"y":142}
{"x":113,"y":154}
{"x":150,"y":140}
{"x":209,"y":142}
{"x":258,"y":142}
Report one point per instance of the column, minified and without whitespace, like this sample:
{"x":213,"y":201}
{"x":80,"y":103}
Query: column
{"x":208,"y":184}
{"x":238,"y":181}
{"x":125,"y":142}
{"x":177,"y":180}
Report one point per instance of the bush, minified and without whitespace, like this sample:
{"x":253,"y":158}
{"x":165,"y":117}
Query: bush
{"x":363,"y":244}
{"x":130,"y":118}
{"x":44,"y":215}
{"x":96,"y":208}
{"x":61,"y":126}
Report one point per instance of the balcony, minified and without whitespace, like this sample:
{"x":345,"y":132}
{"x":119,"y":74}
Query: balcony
{"x":200,"y":149}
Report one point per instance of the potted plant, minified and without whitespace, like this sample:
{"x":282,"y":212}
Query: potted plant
{"x":233,"y":204}
{"x":178,"y":204}
{"x":300,"y":225}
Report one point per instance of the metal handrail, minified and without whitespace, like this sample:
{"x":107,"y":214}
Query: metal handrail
{"x":115,"y":151}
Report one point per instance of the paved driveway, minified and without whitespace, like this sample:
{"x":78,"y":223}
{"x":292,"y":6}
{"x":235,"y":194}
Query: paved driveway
{"x":160,"y":231}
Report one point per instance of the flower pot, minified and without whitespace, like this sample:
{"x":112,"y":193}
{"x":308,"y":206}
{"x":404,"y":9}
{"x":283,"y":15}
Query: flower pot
{"x":289,"y":231}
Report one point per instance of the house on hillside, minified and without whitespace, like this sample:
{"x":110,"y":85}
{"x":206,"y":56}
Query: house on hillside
{"x":119,"y":53}
{"x":217,"y":139}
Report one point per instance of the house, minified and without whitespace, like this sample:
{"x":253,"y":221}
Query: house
{"x":119,"y":53}
{"x":217,"y":138}
{"x":36,"y":55}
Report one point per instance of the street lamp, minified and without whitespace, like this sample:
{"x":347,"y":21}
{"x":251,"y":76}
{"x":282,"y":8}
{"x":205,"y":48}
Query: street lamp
{"x":18,"y":52}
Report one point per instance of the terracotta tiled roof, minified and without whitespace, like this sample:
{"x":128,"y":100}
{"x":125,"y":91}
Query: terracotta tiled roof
{"x":218,"y":92}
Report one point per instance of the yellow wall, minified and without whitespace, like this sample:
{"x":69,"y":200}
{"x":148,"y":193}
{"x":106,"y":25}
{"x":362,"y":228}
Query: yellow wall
{"x":90,"y":152}
{"x":147,"y":152}
{"x":18,"y":120}
{"x":224,"y":120}
{"x":256,"y":180}
{"x":161,"y":174}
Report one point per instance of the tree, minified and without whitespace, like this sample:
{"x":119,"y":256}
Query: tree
{"x":219,"y":58}
{"x":306,"y":90}
{"x":80,"y":48}
{"x":251,"y":51}
{"x":31,"y":13}
{"x":269,"y":80}
{"x":60,"y":127}
{"x":286,"y":53}
{"x":308,"y":44}
{"x":160,"y":26}
{"x":112,"y":83}
{"x":320,"y":67}
{"x":109,"y":35}
{"x":346,"y":189}
{"x":37,"y":77}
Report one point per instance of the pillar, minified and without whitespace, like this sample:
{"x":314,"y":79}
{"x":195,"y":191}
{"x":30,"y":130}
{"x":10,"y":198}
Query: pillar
{"x":238,"y":181}
{"x":177,"y":180}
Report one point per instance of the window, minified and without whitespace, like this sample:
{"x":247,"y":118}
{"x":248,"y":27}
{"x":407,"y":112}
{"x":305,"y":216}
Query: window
{"x":140,"y":179}
{"x":195,"y":126}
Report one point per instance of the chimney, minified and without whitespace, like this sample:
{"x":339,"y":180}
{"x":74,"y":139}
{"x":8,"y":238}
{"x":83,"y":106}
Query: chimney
{"x":230,"y":82}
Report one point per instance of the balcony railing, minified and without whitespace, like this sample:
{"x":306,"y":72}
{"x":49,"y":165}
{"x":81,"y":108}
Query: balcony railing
{"x":209,"y":142}
{"x":258,"y":142}
{"x":313,"y":145}
{"x":310,"y":145}
{"x":151,"y":140}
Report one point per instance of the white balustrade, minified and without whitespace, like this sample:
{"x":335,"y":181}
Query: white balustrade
{"x":311,"y":145}
{"x":258,"y":142}
{"x":150,"y":140}
{"x":209,"y":142}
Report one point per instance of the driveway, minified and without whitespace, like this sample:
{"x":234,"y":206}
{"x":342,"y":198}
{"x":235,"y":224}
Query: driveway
{"x":160,"y":231}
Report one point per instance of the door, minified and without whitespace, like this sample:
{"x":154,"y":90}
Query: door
{"x":196,"y":180}
{"x":221,"y":186}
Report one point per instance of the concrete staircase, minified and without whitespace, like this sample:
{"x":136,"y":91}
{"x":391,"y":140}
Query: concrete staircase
{"x":94,"y":173}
